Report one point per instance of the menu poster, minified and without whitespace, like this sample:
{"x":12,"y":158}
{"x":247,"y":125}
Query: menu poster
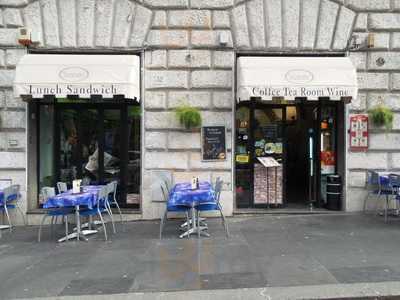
{"x":213,"y":143}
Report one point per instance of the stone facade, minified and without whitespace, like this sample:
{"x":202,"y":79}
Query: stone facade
{"x":189,"y":51}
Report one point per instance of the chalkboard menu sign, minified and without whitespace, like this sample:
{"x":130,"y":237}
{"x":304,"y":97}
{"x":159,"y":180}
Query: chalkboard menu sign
{"x":213,"y":143}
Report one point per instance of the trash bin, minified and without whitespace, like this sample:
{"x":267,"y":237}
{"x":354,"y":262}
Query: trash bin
{"x":334,"y":192}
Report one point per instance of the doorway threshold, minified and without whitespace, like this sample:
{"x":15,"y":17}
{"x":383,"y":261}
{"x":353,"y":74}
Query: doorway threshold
{"x":284,"y":211}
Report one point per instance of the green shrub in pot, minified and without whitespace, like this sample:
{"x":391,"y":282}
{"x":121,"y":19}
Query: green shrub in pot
{"x":188,"y":116}
{"x":381,"y":116}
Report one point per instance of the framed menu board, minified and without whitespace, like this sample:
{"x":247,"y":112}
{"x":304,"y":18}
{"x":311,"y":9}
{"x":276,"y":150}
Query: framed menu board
{"x":213,"y":143}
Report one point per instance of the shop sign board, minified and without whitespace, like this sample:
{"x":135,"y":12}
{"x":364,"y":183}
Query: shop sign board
{"x":213,"y":143}
{"x":358,"y":132}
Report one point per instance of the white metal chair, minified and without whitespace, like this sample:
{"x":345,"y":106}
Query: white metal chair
{"x":11,"y":201}
{"x":112,"y":190}
{"x":54,"y":213}
{"x":62,"y":187}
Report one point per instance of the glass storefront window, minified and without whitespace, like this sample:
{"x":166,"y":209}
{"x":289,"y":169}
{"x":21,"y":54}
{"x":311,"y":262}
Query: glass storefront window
{"x":46,"y":146}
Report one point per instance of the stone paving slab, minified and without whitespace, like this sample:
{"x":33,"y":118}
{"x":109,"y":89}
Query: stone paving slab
{"x":264,"y":253}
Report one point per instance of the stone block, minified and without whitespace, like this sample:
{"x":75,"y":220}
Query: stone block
{"x":189,"y":18}
{"x":274,"y":23}
{"x":211,"y":118}
{"x":367,"y":5}
{"x":13,"y":119}
{"x":104,"y":19}
{"x":11,"y":101}
{"x":326,"y":27}
{"x":396,"y":160}
{"x":33,"y":20}
{"x":211,"y":3}
{"x":360,"y":103}
{"x":12,"y":140}
{"x":13,"y":56}
{"x":160,"y":19}
{"x":166,"y":160}
{"x":156,"y":59}
{"x":255,"y":17}
{"x":12,"y":160}
{"x":168,"y":3}
{"x":384,"y":21}
{"x":355,"y":200}
{"x":210,"y":38}
{"x":189,"y":59}
{"x":123,"y":20}
{"x":384,"y":141}
{"x":391,"y":61}
{"x":166,"y":79}
{"x":373,"y":81}
{"x":8,"y":37}
{"x":197,"y":164}
{"x":12,"y":17}
{"x":155,"y":140}
{"x":2,"y":100}
{"x":212,"y":79}
{"x":187,"y":176}
{"x":6,"y":78}
{"x":396,"y":5}
{"x":141,"y":26}
{"x":67,"y":21}
{"x":359,"y":60}
{"x":168,"y":38}
{"x":161,"y":120}
{"x":395,"y":41}
{"x":221,"y":20}
{"x":344,"y":28}
{"x":195,"y":99}
{"x":390,"y":100}
{"x":367,"y":160}
{"x":183,"y":140}
{"x":155,"y":100}
{"x":356,"y":179}
{"x":362,"y":22}
{"x":308,"y":26}
{"x":223,"y":100}
{"x":1,"y":19}
{"x":85,"y":22}
{"x":396,"y":121}
{"x":291,"y":19}
{"x":13,"y":3}
{"x":50,"y":23}
{"x":396,"y":81}
{"x":2,"y":58}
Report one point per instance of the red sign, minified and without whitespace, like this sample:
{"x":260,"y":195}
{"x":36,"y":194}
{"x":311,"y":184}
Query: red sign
{"x":359,"y":132}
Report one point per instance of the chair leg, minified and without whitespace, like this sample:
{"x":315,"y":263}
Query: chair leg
{"x":22,"y":213}
{"x":119,"y":210}
{"x":163,"y":218}
{"x":40,"y":227}
{"x":386,"y":208}
{"x":187,"y":221}
{"x":104,"y":225}
{"x":224,"y":221}
{"x":198,"y":223}
{"x":66,"y":227}
{"x":365,"y":203}
{"x":108,"y":208}
{"x":8,"y":217}
{"x":51,"y":226}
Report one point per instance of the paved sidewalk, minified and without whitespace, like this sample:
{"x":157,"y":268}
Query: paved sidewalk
{"x":324,"y":253}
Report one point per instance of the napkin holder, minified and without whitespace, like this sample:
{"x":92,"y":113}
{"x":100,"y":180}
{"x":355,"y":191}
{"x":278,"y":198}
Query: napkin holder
{"x":76,"y":186}
{"x":195,"y":183}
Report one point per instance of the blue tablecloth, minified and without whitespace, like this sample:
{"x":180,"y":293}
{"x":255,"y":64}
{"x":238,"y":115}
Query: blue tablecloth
{"x":182,"y":194}
{"x":88,"y":197}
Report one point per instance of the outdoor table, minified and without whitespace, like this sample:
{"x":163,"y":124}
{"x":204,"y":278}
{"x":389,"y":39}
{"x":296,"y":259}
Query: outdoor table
{"x":182,"y":194}
{"x":88,"y":197}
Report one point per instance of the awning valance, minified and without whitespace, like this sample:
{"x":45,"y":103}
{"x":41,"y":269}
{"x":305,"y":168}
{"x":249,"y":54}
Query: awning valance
{"x":292,"y":77}
{"x":82,"y":75}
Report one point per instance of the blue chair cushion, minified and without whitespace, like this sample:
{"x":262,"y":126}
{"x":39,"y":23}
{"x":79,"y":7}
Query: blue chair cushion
{"x":60,"y":212}
{"x":177,"y":208}
{"x":207,"y":207}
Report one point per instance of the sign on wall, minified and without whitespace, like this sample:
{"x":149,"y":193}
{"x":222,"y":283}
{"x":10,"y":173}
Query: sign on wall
{"x":359,"y":132}
{"x":213,"y":143}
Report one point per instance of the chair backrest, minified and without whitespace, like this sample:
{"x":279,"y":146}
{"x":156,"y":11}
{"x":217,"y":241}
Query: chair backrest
{"x":164,"y":192}
{"x":85,"y":181}
{"x":112,"y":187}
{"x":372,"y":181}
{"x":394,"y":181}
{"x":5,"y":182}
{"x":61,"y":187}
{"x":103,"y":196}
{"x":11,"y":193}
{"x":218,"y":188}
{"x":48,"y":192}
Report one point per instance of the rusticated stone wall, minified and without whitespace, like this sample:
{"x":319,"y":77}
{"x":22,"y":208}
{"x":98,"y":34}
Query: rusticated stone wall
{"x":184,"y":62}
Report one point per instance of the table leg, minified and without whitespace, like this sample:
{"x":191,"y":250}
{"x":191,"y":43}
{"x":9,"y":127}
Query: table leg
{"x":195,"y":229}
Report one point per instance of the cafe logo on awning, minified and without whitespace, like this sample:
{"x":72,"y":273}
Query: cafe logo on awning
{"x":73,"y":74}
{"x":299,"y":76}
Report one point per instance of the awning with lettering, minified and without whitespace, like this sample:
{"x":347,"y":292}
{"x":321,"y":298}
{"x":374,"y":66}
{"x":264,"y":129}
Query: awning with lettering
{"x":289,"y":78}
{"x":82,"y":75}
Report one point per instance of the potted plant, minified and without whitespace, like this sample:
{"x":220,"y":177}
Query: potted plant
{"x":189,"y":117}
{"x":381,"y":116}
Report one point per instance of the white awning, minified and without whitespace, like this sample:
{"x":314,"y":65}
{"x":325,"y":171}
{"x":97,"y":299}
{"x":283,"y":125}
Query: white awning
{"x":83,"y":75}
{"x":291,"y":77}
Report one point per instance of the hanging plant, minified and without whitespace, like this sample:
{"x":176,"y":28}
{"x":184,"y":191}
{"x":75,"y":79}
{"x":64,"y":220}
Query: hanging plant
{"x":381,"y":116}
{"x":188,"y":116}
